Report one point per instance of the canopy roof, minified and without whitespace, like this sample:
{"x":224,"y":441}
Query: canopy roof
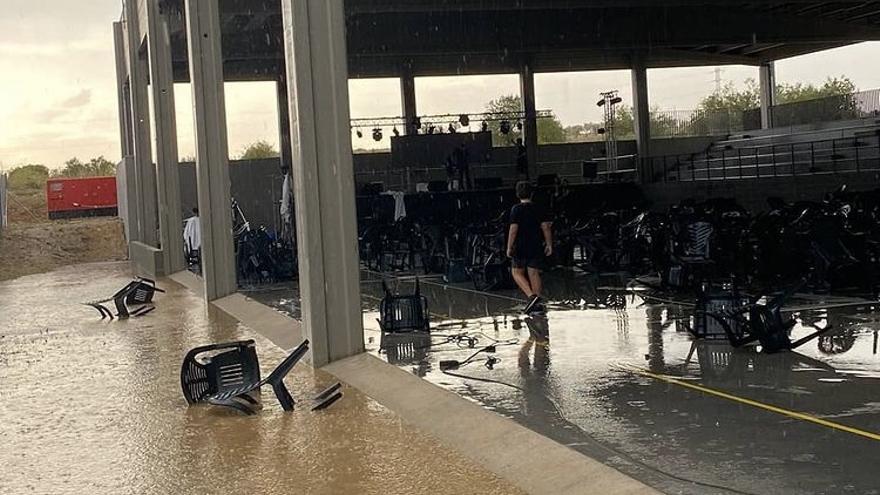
{"x":451,"y":37}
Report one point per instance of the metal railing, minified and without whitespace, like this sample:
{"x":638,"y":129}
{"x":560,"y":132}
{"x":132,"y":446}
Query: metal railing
{"x":830,"y":156}
{"x":688,"y":123}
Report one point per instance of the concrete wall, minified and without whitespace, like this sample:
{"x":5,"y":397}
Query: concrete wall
{"x":122,"y":199}
{"x":753,"y":193}
{"x":560,"y":159}
{"x":256,"y":184}
{"x":4,"y":207}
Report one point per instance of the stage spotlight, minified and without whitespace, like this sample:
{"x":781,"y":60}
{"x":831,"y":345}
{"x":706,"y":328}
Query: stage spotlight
{"x":615,"y":101}
{"x":359,"y":134}
{"x":505,"y":127}
{"x":485,"y":126}
{"x":377,"y":134}
{"x":601,"y":103}
{"x":464,"y":120}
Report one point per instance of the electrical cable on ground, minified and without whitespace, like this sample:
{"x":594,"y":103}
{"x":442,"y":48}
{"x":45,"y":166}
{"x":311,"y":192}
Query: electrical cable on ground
{"x":609,"y":449}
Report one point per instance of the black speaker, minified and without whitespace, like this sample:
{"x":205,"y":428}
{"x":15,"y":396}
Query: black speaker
{"x":590,"y":169}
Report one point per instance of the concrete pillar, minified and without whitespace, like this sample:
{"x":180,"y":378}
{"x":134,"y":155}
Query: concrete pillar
{"x":408,"y":102}
{"x":138,"y":70}
{"x":212,"y":150}
{"x":284,"y":146}
{"x":641,"y":113}
{"x":167,"y":166}
{"x":768,"y":93}
{"x":317,"y":74}
{"x":527,"y":91}
{"x":125,"y":170}
{"x":123,"y":100}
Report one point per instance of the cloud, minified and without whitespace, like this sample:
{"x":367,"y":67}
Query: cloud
{"x":81,"y":99}
{"x":79,"y":47}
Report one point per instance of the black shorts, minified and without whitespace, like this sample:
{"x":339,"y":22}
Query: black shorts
{"x":535,"y":263}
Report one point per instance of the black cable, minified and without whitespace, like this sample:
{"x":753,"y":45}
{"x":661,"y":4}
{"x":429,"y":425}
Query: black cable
{"x":610,"y":449}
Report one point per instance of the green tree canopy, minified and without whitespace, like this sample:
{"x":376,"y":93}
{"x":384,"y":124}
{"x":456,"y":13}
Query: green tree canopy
{"x":550,"y":129}
{"x":28,"y":177}
{"x":96,"y":167}
{"x":731,"y":99}
{"x":258,"y":151}
{"x":793,"y":93}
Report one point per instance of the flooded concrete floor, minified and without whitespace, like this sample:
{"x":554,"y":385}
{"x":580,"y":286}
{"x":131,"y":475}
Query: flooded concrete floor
{"x":95,"y":407}
{"x":580,"y":376}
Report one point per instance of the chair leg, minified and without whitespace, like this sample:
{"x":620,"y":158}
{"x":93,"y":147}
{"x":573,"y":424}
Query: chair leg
{"x":324,"y":404}
{"x":800,"y":342}
{"x":329,"y":391}
{"x":284,"y":397}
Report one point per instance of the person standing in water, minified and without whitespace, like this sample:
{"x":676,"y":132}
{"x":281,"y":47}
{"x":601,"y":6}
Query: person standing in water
{"x":529,"y":243}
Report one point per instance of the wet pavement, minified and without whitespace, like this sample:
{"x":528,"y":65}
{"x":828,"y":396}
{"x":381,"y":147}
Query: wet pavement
{"x":590,"y":374}
{"x":95,"y":407}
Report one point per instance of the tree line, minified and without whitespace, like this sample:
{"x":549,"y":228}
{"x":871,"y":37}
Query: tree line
{"x":728,"y":100}
{"x":34,"y":176}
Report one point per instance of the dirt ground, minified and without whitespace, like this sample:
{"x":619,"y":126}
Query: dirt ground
{"x":34,"y":244}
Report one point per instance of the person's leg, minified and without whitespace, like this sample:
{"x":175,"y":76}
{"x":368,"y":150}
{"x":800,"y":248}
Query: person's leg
{"x":522,"y":281}
{"x":535,"y":281}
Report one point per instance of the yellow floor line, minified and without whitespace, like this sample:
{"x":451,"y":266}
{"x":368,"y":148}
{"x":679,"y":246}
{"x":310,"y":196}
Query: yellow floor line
{"x":759,"y":405}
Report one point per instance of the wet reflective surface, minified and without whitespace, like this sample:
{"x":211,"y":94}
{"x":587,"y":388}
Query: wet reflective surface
{"x":568,"y":376}
{"x":95,"y":407}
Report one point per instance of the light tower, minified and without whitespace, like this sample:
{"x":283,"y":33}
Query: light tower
{"x":609,"y":101}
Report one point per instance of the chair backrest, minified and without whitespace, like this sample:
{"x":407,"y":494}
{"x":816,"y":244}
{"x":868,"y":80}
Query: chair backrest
{"x":203,"y":375}
{"x":141,"y":292}
{"x":404,"y":313}
{"x":697,"y":242}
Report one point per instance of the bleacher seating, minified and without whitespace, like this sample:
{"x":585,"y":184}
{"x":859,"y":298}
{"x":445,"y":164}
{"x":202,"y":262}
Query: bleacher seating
{"x":847,"y":148}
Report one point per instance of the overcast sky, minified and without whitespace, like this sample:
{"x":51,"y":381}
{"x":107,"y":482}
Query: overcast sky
{"x":58,"y":87}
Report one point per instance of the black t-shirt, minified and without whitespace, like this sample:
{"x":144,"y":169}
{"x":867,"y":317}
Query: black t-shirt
{"x":529,"y":241}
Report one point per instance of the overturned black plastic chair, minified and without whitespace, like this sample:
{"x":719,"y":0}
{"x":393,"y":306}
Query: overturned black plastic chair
{"x":764,"y":325}
{"x":139,"y":293}
{"x":403,"y":313}
{"x":231,"y":374}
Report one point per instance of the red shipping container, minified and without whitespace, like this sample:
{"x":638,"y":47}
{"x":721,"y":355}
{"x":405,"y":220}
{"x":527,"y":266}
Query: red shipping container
{"x":81,"y":197}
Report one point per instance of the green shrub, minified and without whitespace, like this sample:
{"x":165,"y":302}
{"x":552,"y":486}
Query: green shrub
{"x":28,"y":177}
